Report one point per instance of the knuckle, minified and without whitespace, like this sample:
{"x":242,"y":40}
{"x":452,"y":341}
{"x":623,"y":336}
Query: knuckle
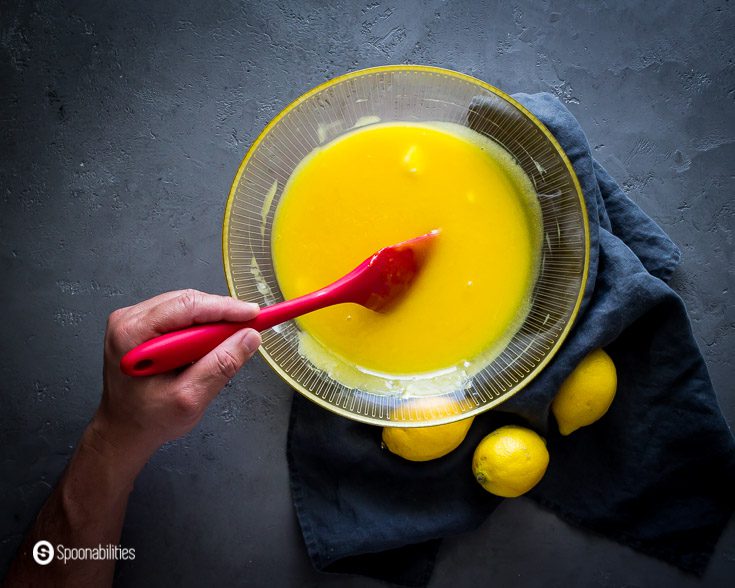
{"x":117,"y":333}
{"x":189,"y":300}
{"x":114,"y":318}
{"x":186,"y":405}
{"x":227,"y":363}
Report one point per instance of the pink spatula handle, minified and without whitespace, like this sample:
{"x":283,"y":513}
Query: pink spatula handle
{"x":373,"y":283}
{"x":180,"y":348}
{"x":176,"y":349}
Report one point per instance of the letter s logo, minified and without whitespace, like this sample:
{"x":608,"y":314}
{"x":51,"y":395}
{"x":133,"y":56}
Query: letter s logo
{"x":43,"y":552}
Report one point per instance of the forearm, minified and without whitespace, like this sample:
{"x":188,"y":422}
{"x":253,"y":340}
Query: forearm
{"x":86,"y":509}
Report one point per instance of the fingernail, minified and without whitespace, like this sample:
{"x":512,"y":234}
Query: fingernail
{"x":251,"y":340}
{"x":253,"y":306}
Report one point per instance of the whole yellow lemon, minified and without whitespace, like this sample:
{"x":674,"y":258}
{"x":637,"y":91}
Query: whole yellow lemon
{"x":426,"y":443}
{"x":586,"y":394}
{"x":510,"y":461}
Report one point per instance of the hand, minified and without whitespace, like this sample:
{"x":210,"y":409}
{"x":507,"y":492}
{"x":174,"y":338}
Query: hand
{"x":137,"y":415}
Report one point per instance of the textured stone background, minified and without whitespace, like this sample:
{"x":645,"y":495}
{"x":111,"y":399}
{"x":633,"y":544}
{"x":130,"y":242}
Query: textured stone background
{"x":122,"y":125}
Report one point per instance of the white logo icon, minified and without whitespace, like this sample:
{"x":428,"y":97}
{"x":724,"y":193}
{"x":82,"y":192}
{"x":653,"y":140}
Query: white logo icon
{"x":43,"y":552}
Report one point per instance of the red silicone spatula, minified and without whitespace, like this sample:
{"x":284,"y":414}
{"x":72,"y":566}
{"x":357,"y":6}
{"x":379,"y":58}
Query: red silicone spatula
{"x":375,"y":283}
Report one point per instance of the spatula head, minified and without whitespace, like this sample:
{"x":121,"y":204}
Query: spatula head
{"x":390,"y":271}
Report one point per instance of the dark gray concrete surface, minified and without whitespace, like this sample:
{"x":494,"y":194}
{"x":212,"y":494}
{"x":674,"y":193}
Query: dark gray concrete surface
{"x":122,"y":125}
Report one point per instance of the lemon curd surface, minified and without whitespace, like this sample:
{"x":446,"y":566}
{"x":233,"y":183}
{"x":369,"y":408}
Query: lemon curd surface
{"x":386,"y":183}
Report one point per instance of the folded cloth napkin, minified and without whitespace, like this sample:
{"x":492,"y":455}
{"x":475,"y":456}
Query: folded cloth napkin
{"x":657,"y":472}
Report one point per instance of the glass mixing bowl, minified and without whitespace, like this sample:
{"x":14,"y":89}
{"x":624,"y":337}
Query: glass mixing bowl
{"x":410,"y":94}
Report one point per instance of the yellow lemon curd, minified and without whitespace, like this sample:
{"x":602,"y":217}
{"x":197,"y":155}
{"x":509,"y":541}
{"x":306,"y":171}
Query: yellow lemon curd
{"x":386,"y":183}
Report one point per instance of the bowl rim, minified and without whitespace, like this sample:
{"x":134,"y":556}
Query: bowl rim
{"x":467,"y":78}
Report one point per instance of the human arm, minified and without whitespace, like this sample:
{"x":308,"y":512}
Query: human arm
{"x":134,"y":418}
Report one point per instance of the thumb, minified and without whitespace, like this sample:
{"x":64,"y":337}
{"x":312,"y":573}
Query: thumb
{"x":212,"y":372}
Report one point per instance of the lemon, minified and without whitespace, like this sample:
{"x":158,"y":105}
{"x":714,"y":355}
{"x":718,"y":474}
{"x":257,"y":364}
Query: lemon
{"x":510,"y":461}
{"x":426,"y":443}
{"x":586,"y":394}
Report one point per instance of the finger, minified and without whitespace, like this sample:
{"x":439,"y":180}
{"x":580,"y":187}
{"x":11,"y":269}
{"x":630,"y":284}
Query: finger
{"x":123,"y":331}
{"x":147,"y":305}
{"x":186,"y":308}
{"x":211,"y":373}
{"x":132,"y":313}
{"x":128,"y":313}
